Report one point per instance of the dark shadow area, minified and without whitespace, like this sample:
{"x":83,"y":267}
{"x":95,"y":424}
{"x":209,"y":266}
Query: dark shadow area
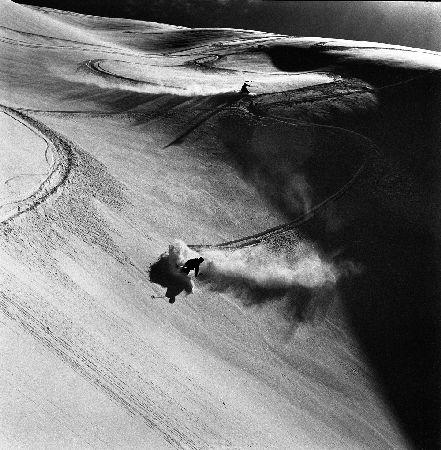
{"x":165,"y":273}
{"x":295,"y":59}
{"x":159,"y":271}
{"x":187,"y":39}
{"x":295,"y":166}
{"x":345,"y":62}
{"x":391,"y":225}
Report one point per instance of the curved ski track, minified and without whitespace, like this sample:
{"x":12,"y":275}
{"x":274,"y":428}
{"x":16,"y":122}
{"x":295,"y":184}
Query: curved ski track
{"x":62,"y":151}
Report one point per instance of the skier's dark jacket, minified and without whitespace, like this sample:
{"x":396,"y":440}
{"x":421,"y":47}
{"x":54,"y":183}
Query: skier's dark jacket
{"x":192,"y":264}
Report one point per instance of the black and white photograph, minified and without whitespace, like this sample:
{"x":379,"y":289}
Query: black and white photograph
{"x":220,"y":225}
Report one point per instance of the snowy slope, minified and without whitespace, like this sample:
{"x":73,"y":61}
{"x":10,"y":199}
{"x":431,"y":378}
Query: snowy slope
{"x":119,"y":137}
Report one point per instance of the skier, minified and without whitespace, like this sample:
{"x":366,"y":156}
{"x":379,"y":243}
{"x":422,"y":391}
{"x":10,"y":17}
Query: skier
{"x":192,"y":264}
{"x":175,"y":277}
{"x":244,"y":89}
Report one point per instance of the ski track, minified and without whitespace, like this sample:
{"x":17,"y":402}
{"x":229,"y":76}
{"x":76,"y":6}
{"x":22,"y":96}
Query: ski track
{"x":81,"y":349}
{"x":62,"y":152}
{"x":258,"y":238}
{"x":94,"y":66}
{"x":116,"y":378}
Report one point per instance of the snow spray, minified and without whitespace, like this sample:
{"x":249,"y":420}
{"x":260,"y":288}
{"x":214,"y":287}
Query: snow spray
{"x":295,"y":273}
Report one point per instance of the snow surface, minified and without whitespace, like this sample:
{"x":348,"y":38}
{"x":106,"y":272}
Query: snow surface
{"x":117,"y":139}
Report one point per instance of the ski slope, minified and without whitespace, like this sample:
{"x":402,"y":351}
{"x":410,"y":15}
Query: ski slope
{"x":120,"y":137}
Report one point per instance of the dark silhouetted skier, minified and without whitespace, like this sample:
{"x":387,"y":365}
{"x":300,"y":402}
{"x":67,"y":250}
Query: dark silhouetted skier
{"x":244,"y":89}
{"x":192,"y":264}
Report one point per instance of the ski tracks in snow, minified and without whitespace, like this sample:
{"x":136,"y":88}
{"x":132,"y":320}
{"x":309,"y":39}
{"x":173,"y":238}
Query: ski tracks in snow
{"x":62,"y":157}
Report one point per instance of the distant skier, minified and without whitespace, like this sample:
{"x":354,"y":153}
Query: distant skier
{"x":192,"y":264}
{"x":244,"y":89}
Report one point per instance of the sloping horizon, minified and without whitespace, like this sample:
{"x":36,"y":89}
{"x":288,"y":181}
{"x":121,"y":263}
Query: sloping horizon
{"x":412,"y":24}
